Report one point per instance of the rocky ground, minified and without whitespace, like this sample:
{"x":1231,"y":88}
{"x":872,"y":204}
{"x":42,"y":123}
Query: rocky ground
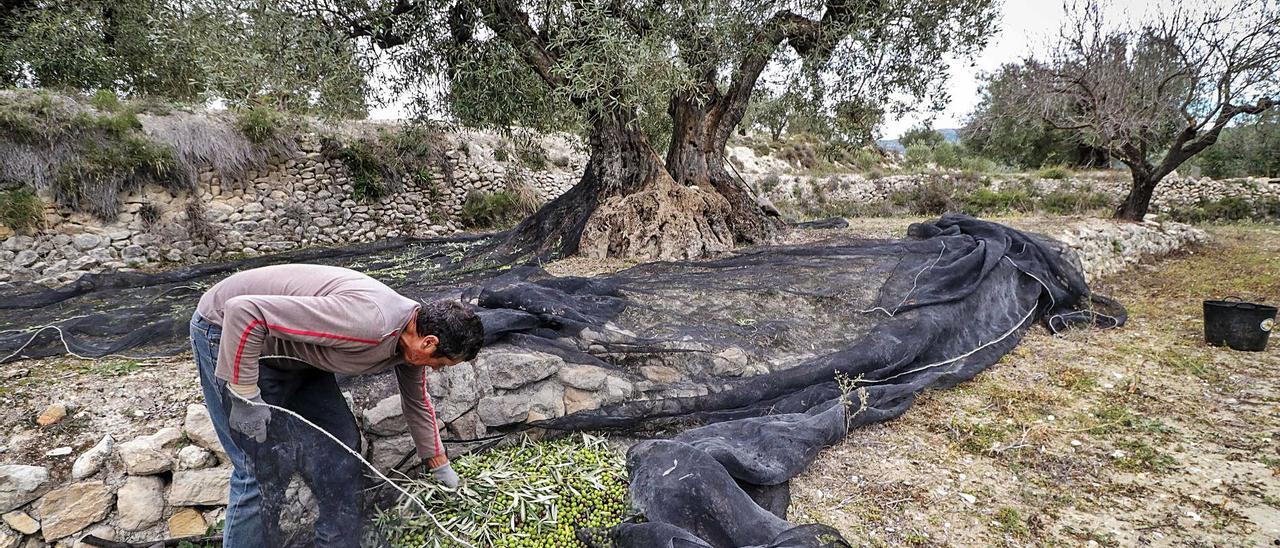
{"x":1130,"y":437}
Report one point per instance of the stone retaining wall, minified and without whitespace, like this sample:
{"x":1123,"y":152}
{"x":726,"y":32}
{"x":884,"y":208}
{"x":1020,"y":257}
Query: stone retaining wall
{"x":856,"y":187}
{"x":298,"y":201}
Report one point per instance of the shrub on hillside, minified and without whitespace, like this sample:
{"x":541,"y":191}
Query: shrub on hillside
{"x":866,"y":159}
{"x":769,"y":182}
{"x":917,"y":156}
{"x":947,"y":155}
{"x":21,"y":209}
{"x":1074,"y":202}
{"x":983,"y":202}
{"x":933,"y":197}
{"x":483,"y":210}
{"x":258,"y":123}
{"x":1054,"y":172}
{"x":1232,"y":208}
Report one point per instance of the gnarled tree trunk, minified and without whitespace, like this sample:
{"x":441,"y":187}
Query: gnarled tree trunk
{"x":700,"y":133}
{"x":1138,"y":201}
{"x":625,"y":205}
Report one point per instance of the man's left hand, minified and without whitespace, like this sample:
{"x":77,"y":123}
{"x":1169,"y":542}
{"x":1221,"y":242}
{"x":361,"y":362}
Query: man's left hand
{"x":446,"y":476}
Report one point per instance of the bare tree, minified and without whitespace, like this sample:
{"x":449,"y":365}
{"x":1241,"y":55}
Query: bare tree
{"x":1155,"y":94}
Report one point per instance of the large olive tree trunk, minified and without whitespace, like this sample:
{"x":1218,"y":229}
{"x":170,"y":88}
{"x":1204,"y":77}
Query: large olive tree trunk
{"x":625,"y":205}
{"x":700,"y":133}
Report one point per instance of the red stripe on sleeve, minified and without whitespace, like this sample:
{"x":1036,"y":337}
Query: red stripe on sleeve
{"x":426,"y":400}
{"x":235,"y":367}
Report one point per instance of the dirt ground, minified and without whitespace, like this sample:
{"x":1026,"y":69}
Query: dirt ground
{"x":1137,"y":436}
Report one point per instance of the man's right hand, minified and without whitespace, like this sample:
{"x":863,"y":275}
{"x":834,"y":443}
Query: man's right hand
{"x":250,"y":417}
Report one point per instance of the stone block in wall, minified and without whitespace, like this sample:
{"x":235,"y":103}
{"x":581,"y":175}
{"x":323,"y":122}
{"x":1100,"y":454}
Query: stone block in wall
{"x":20,"y":484}
{"x":68,"y":509}
{"x":509,"y":367}
{"x":205,"y":487}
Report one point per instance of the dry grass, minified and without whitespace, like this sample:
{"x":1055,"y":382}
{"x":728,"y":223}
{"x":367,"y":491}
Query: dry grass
{"x":1142,"y":435}
{"x":205,"y":140}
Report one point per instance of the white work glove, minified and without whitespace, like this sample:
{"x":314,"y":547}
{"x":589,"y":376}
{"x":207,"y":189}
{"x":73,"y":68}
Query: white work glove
{"x":446,"y":476}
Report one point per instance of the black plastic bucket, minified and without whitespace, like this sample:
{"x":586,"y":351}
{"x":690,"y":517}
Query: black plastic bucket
{"x":1237,"y":324}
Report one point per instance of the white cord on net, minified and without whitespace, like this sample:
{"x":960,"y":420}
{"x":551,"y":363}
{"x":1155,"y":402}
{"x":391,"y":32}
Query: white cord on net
{"x":1025,"y":317}
{"x":947,"y":361}
{"x":366,"y":463}
{"x":1053,"y":303}
{"x":914,"y":283}
{"x":65,"y":346}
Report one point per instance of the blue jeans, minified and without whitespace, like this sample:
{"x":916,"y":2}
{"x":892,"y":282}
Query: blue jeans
{"x":264,"y":470}
{"x":243,"y":522}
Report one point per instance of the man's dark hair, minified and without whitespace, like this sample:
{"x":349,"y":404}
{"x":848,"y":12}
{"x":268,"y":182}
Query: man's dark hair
{"x":459,"y":329}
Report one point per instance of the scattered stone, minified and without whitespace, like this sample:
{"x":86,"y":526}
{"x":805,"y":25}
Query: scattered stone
{"x":617,"y":389}
{"x":206,"y":487}
{"x":166,"y":438}
{"x":187,"y":523}
{"x":71,"y":508}
{"x":730,"y":362}
{"x":15,"y":373}
{"x":101,"y":530}
{"x":199,"y":428}
{"x":52,"y":414}
{"x":58,"y":452}
{"x":20,"y":484}
{"x":85,"y":242}
{"x":142,"y":456}
{"x":468,"y":426}
{"x":140,"y":502}
{"x":8,"y":540}
{"x":194,"y":457}
{"x":579,"y":400}
{"x":88,"y":463}
{"x":511,"y":367}
{"x":21,"y":522}
{"x":25,"y":258}
{"x":386,"y":418}
{"x":546,"y":400}
{"x":457,"y":390}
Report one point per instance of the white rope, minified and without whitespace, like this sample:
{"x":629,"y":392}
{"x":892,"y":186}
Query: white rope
{"x":962,"y":356}
{"x":65,"y":346}
{"x":366,"y":463}
{"x":1053,"y":303}
{"x":914,"y":282}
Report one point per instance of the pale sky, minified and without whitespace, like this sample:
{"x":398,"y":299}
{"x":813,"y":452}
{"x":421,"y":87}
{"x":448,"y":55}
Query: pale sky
{"x":1025,"y":27}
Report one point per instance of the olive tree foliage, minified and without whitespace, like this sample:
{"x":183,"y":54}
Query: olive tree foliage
{"x":922,"y":134}
{"x":772,"y":112}
{"x":853,"y":122}
{"x":241,"y":51}
{"x":996,"y":130}
{"x":1154,"y":94}
{"x":640,"y":76}
{"x":1251,"y":148}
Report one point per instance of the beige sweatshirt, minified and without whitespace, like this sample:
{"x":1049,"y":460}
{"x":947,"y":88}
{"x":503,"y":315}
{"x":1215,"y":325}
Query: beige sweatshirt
{"x":331,"y":318}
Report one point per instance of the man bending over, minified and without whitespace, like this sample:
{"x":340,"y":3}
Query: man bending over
{"x":278,"y":334}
